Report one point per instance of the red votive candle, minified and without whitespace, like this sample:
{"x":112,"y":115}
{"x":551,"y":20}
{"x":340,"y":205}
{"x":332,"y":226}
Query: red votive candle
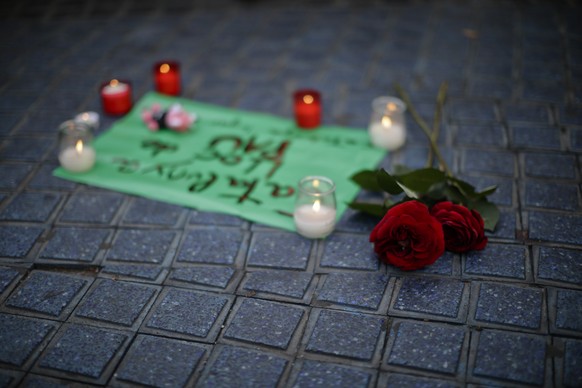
{"x":307,"y":104}
{"x":167,"y":78}
{"x":116,"y":97}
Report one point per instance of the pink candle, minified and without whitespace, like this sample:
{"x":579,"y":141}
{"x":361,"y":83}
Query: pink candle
{"x":116,"y":97}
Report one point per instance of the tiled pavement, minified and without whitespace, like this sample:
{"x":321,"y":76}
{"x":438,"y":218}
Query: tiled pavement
{"x":101,"y":288}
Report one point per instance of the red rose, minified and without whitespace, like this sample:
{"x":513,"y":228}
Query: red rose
{"x":464,"y":229}
{"x":408,"y":237}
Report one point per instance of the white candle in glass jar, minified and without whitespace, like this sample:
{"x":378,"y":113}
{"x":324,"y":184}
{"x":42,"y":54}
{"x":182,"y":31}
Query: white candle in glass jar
{"x":315,"y":220}
{"x":78,"y":158}
{"x":387,"y":133}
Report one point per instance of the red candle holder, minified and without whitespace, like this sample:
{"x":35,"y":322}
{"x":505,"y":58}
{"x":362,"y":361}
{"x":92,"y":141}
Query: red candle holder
{"x":116,"y":97}
{"x":307,"y":103}
{"x":167,"y":78}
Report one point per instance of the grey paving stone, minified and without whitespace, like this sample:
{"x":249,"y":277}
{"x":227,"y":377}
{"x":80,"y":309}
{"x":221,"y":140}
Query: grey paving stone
{"x":214,"y":246}
{"x":149,"y":212}
{"x":44,"y":179}
{"x":7,"y":276}
{"x":492,"y":134}
{"x":439,"y":297}
{"x":187,"y":312}
{"x":36,"y":381}
{"x":6,"y":379}
{"x":74,"y":244}
{"x":425,"y":346}
{"x":576,"y":139}
{"x":279,"y":250}
{"x":83,"y":350}
{"x":211,"y":218}
{"x":408,"y":381}
{"x":214,"y":276}
{"x":445,"y":265}
{"x":291,"y":284}
{"x":91,"y":208}
{"x":560,"y":265}
{"x":510,"y":305}
{"x":569,"y":115}
{"x":544,"y":137}
{"x":534,"y":113}
{"x":144,"y":246}
{"x":550,"y":165}
{"x":543,"y":91}
{"x":489,"y":162}
{"x":356,"y":222}
{"x":551,"y":195}
{"x":20,"y":337}
{"x":30,"y":207}
{"x":569,"y":310}
{"x":46,"y":293}
{"x":572,"y":356}
{"x":349,"y":251}
{"x":507,"y":226}
{"x":555,"y":227}
{"x":491,"y":87}
{"x":466,"y":110}
{"x":264,"y":322}
{"x":115,"y":302}
{"x":16,"y":241}
{"x":346,"y":334}
{"x":511,"y":356}
{"x":140,"y":271}
{"x":497,"y":260}
{"x":241,"y":367}
{"x":326,"y":374}
{"x":354,"y":289}
{"x":160,"y":362}
{"x":26,"y":149}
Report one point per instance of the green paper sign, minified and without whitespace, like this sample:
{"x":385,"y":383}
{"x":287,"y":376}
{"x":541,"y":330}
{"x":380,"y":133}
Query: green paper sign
{"x":231,"y":161}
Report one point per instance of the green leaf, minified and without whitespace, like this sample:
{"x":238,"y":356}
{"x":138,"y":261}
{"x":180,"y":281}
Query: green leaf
{"x":421,"y":180}
{"x":367,"y":180}
{"x":487,"y":191}
{"x":369,"y":208}
{"x":488,"y":211}
{"x":388,"y":183}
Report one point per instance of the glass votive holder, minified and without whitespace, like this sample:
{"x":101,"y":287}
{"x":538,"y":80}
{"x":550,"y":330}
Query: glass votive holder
{"x":91,"y":119}
{"x":307,"y":108}
{"x":315,"y":207}
{"x":387,"y":127}
{"x":76,"y":153}
{"x":167,"y":77}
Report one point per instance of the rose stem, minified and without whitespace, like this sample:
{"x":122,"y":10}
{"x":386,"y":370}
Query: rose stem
{"x":440,"y":101}
{"x":424,"y":127}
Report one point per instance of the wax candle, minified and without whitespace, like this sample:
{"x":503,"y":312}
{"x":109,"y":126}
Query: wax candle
{"x":315,"y":207}
{"x":387,"y":128}
{"x":167,"y":78}
{"x":307,"y":107}
{"x":314,"y":221}
{"x":116,"y":97}
{"x":77,"y":159}
{"x":76,"y":153}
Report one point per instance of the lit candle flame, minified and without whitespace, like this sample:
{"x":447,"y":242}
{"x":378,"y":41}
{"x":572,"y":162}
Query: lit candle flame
{"x":164,"y":68}
{"x":113,"y":83}
{"x":308,"y":99}
{"x":386,"y":121}
{"x":391,"y":106}
{"x":316,"y":183}
{"x":316,"y":206}
{"x":79,"y":146}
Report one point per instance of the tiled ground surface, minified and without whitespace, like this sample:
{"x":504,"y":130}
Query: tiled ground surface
{"x":102,"y":288}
